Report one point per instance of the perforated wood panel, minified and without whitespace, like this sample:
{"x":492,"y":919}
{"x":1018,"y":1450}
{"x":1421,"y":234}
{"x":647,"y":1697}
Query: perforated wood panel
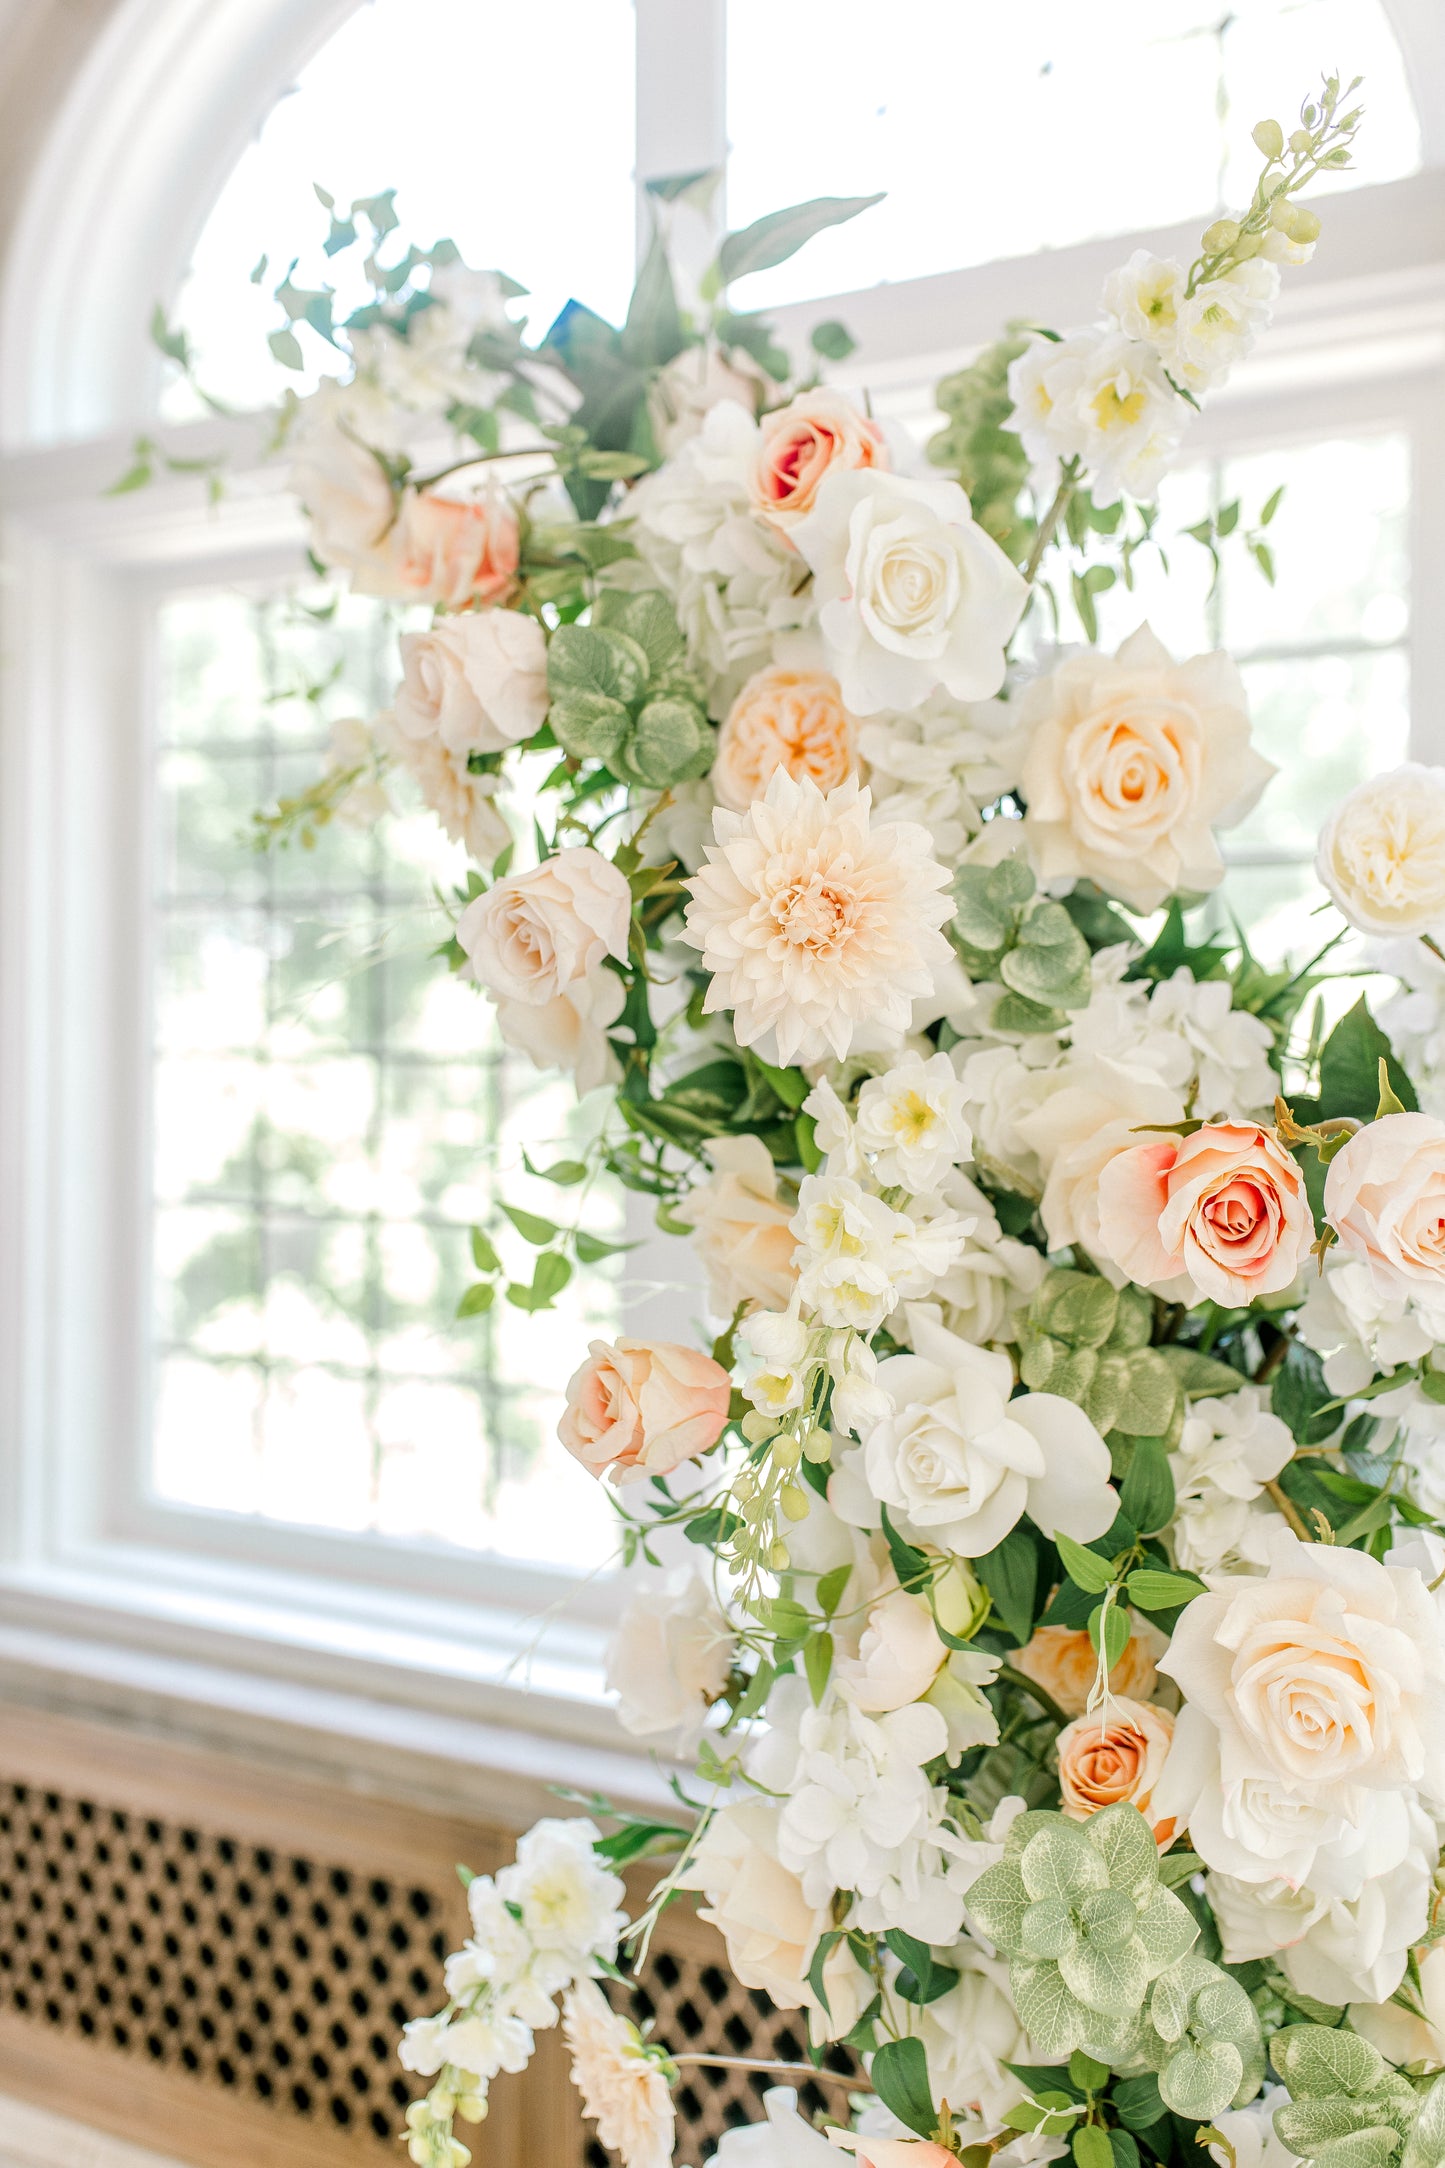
{"x":270,"y":1976}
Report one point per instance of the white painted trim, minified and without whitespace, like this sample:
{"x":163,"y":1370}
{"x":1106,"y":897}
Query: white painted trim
{"x":32,"y":2137}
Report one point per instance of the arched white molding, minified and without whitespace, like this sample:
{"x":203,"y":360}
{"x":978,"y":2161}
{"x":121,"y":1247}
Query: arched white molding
{"x":154,"y":122}
{"x":1419,"y":27}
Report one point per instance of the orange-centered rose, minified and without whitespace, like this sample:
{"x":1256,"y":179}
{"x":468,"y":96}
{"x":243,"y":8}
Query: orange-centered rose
{"x":1115,"y":1756}
{"x":803,"y":441}
{"x":641,"y":1407}
{"x":1225,"y":1209}
{"x":793,"y":719}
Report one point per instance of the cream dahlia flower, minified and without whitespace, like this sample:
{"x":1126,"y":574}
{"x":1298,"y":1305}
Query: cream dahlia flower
{"x":623,"y":2086}
{"x":814,"y":920}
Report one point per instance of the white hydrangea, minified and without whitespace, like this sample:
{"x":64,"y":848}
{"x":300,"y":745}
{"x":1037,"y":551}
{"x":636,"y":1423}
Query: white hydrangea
{"x":1228,"y":1450}
{"x":860,"y":1813}
{"x":940,"y":765}
{"x":733,"y":582}
{"x":860,"y":1258}
{"x":1414,"y":1018}
{"x":1363,"y":1332}
{"x":1003,"y":1086}
{"x":1186,"y":1030}
{"x":993,"y":1279}
{"x":570,"y":1902}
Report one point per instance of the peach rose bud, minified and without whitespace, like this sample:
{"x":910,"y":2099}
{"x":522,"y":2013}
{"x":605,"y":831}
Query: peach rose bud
{"x":1062,"y":1660}
{"x":454,"y":551}
{"x":793,"y":719}
{"x":1385,"y":1198}
{"x":1113,"y":1757}
{"x":1225,"y":1209}
{"x":802,"y":442}
{"x":640,"y":1408}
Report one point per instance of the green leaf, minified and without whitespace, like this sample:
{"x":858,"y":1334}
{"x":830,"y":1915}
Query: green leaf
{"x":1350,"y":1068}
{"x":564,"y":1172}
{"x":484,"y":1257}
{"x":1054,"y":2020}
{"x":529,"y":1226}
{"x":477,"y":1299}
{"x":1088,"y":2075}
{"x":1137,"y":2103}
{"x":831,"y":1586}
{"x":1060,"y":1861}
{"x":1091,"y":2148}
{"x":900,"y":2079}
{"x":922,"y":1980}
{"x":597,"y":659}
{"x":1147,"y":1491}
{"x":834,"y":341}
{"x":1200,"y":2082}
{"x":823,"y":1949}
{"x":817,"y":1663}
{"x":1317,"y":2063}
{"x":1011,"y":1575}
{"x":1111,"y":1626}
{"x":1154,"y":1590}
{"x":1425,"y":2146}
{"x":1124,"y":2150}
{"x":1301,"y":1398}
{"x":591,"y":1249}
{"x":1125,"y":1843}
{"x":286,"y":347}
{"x":1084,"y":1568}
{"x":773,"y":239}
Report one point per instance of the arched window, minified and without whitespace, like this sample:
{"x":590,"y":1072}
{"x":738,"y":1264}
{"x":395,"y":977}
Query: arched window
{"x":243,"y":1147}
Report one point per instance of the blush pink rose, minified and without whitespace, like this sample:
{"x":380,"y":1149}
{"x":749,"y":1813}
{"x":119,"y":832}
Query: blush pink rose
{"x":445,"y":550}
{"x":1225,"y":1210}
{"x":893,"y":2152}
{"x":639,"y":1408}
{"x":801,"y":443}
{"x":1385,"y":1199}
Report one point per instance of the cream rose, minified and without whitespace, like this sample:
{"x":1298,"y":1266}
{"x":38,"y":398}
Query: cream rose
{"x":741,"y":1228}
{"x":1063,"y":1661}
{"x":912,"y":594}
{"x":803,"y":442}
{"x":464,"y":803}
{"x":770,"y":1929}
{"x":1116,"y":1755}
{"x":782,"y":718}
{"x":1086,"y":1113}
{"x":1128,"y":765}
{"x":1324,"y":1677}
{"x":535,"y":934}
{"x":1382,"y":852}
{"x":349,"y":504}
{"x":570,"y":1031}
{"x":898,"y":1657}
{"x":639,"y":1408}
{"x":1224,"y":1210}
{"x":453,"y":551}
{"x":478,"y":682}
{"x":1385,"y":1199}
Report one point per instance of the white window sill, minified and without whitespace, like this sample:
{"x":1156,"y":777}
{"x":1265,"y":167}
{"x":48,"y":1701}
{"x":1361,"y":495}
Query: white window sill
{"x":34,"y":2138}
{"x":454,"y":1708}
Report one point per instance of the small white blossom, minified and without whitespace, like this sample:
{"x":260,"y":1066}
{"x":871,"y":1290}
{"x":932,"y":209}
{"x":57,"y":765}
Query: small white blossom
{"x":1228,"y":1450}
{"x":910,"y":1123}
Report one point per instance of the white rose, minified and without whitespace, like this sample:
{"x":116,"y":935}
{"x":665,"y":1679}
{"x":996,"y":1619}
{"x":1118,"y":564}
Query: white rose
{"x":1318,"y":1683}
{"x":669,"y":1660}
{"x":742,"y":1228}
{"x":1129,"y":763}
{"x":912,"y":594}
{"x":536,"y":934}
{"x":898,"y":1657}
{"x":347,"y":498}
{"x":1382,"y":852}
{"x":785,"y":2139}
{"x":1398,"y":2033}
{"x":960,"y":1461}
{"x":478,"y":682}
{"x":570,"y":1031}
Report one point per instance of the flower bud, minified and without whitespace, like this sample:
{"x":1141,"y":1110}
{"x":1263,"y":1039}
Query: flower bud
{"x":795,"y":1501}
{"x":1269,"y":138}
{"x":779,"y":1556}
{"x":817,"y":1445}
{"x":472,"y":2107}
{"x":787,"y":1452}
{"x":1248,"y":244}
{"x":1301,"y":141}
{"x":1221,"y":235}
{"x":757,"y":1427}
{"x":1305,"y":226}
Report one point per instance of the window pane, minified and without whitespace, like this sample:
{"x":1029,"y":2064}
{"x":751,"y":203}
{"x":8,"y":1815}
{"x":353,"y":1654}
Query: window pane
{"x":332,"y":1113}
{"x":1322,"y":649}
{"x":458,"y":105}
{"x":1000,"y":130}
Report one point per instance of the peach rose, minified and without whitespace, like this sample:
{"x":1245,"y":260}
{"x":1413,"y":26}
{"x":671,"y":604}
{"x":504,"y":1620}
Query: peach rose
{"x":452,"y":551}
{"x":803,"y":441}
{"x":478,"y":682}
{"x":1115,"y":1756}
{"x":742,"y":1229}
{"x":1226,"y":1209}
{"x":892,"y":2152}
{"x":641,"y":1407}
{"x":1385,"y":1199}
{"x":793,"y":719}
{"x":1062,"y":1661}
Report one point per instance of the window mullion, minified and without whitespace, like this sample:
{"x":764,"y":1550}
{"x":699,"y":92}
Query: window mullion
{"x":682,"y":117}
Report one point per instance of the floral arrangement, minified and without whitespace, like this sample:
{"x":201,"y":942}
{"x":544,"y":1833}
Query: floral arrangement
{"x":1042,"y":1569}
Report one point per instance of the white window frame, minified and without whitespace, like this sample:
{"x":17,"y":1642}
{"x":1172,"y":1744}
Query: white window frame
{"x":237,"y":1622}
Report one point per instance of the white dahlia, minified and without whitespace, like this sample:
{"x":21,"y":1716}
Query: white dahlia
{"x":815,"y":920}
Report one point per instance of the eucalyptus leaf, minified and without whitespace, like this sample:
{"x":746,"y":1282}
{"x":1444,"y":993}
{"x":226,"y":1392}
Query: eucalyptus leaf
{"x":773,"y":239}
